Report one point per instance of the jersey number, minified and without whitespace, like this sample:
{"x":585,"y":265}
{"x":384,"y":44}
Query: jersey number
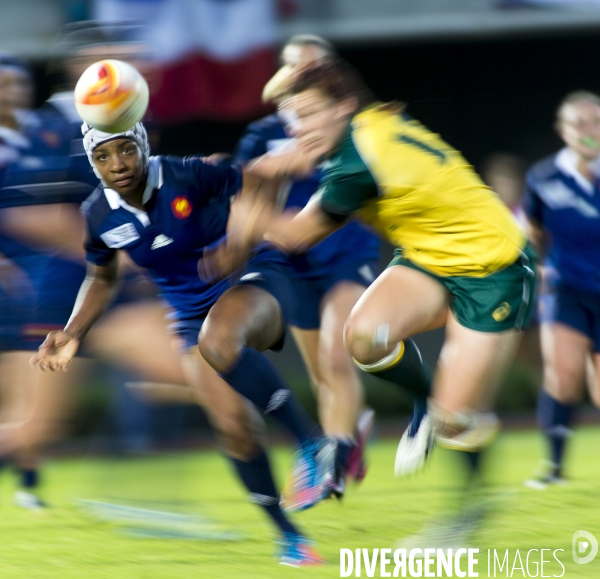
{"x":423,"y":146}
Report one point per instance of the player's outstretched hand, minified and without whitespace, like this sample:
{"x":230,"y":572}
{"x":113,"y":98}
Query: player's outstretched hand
{"x":57,"y":351}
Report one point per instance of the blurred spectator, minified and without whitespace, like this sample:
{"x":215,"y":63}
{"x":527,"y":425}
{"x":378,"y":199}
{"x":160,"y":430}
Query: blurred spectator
{"x":16,"y":87}
{"x":505,"y":174}
{"x":16,"y":97}
{"x":562,"y":204}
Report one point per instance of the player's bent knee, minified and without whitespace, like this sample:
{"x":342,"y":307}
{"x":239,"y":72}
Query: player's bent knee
{"x":569,"y":398}
{"x":355,"y":331}
{"x":563,"y":390}
{"x":367,"y":343}
{"x":358,"y":343}
{"x":467,"y":430}
{"x":219,"y":349}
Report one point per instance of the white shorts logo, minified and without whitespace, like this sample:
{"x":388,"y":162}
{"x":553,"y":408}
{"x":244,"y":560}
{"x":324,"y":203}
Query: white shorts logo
{"x":252,"y":276}
{"x":366,"y":273}
{"x":120,"y":236}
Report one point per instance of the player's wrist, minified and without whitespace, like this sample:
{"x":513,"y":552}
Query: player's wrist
{"x":74,"y":333}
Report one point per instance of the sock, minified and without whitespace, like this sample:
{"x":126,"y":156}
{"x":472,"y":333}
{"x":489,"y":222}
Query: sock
{"x":406,"y":368}
{"x":554,"y":419}
{"x":29,"y":478}
{"x":344,"y":447}
{"x":258,"y":479}
{"x":257,"y":379}
{"x":472,"y":493}
{"x":419,"y":412}
{"x":473,"y":460}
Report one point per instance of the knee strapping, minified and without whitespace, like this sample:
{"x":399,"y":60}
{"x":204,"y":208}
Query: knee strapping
{"x":387,"y":362}
{"x":467,"y":430}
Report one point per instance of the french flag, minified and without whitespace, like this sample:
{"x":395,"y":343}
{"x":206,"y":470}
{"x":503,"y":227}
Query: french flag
{"x":213,"y":56}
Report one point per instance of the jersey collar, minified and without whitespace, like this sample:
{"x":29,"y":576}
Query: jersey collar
{"x":153,"y":183}
{"x":566,"y":161}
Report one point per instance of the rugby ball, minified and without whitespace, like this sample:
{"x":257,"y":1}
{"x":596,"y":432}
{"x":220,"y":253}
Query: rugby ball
{"x":111,"y":96}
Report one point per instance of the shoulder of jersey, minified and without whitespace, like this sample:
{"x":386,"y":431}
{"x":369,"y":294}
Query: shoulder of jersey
{"x":544,"y":169}
{"x":267,"y":128}
{"x":267,"y":123}
{"x":176,"y":168}
{"x":96,"y":207}
{"x":179,"y":170}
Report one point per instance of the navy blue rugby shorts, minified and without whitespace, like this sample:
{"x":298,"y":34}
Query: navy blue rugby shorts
{"x":309,"y":291}
{"x":269,"y":270}
{"x":577,"y":309}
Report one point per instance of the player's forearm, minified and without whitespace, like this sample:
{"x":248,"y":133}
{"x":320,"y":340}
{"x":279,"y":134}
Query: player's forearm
{"x":294,"y":164}
{"x":253,"y":211}
{"x":266,"y":167}
{"x":299,"y":233}
{"x":93,"y":298}
{"x":256,"y":186}
{"x":292,"y":240}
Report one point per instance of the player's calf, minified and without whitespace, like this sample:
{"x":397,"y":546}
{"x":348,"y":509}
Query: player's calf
{"x":404,"y":366}
{"x":235,"y":433}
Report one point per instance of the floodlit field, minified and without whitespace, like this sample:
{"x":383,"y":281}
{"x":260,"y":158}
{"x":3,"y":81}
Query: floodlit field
{"x":183,"y":516}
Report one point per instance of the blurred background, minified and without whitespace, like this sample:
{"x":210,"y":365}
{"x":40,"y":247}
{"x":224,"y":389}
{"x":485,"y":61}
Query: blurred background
{"x":486,"y":74}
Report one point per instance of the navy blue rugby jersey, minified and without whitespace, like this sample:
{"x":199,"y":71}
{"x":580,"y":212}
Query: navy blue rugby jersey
{"x":351,"y":241}
{"x":187,"y":206}
{"x":13,"y":145}
{"x":53,"y":167}
{"x":47,"y":165}
{"x":568,"y":206}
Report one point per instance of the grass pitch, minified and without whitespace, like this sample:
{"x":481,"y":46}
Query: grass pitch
{"x":184,"y":516}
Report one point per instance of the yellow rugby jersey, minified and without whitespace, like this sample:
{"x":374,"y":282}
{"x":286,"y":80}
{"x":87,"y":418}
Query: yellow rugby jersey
{"x":421,"y":195}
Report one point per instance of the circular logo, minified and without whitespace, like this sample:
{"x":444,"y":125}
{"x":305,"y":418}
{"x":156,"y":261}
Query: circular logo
{"x":181,"y":206}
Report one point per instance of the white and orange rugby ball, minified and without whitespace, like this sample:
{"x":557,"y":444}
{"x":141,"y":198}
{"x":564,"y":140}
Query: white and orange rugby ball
{"x":111,"y":96}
